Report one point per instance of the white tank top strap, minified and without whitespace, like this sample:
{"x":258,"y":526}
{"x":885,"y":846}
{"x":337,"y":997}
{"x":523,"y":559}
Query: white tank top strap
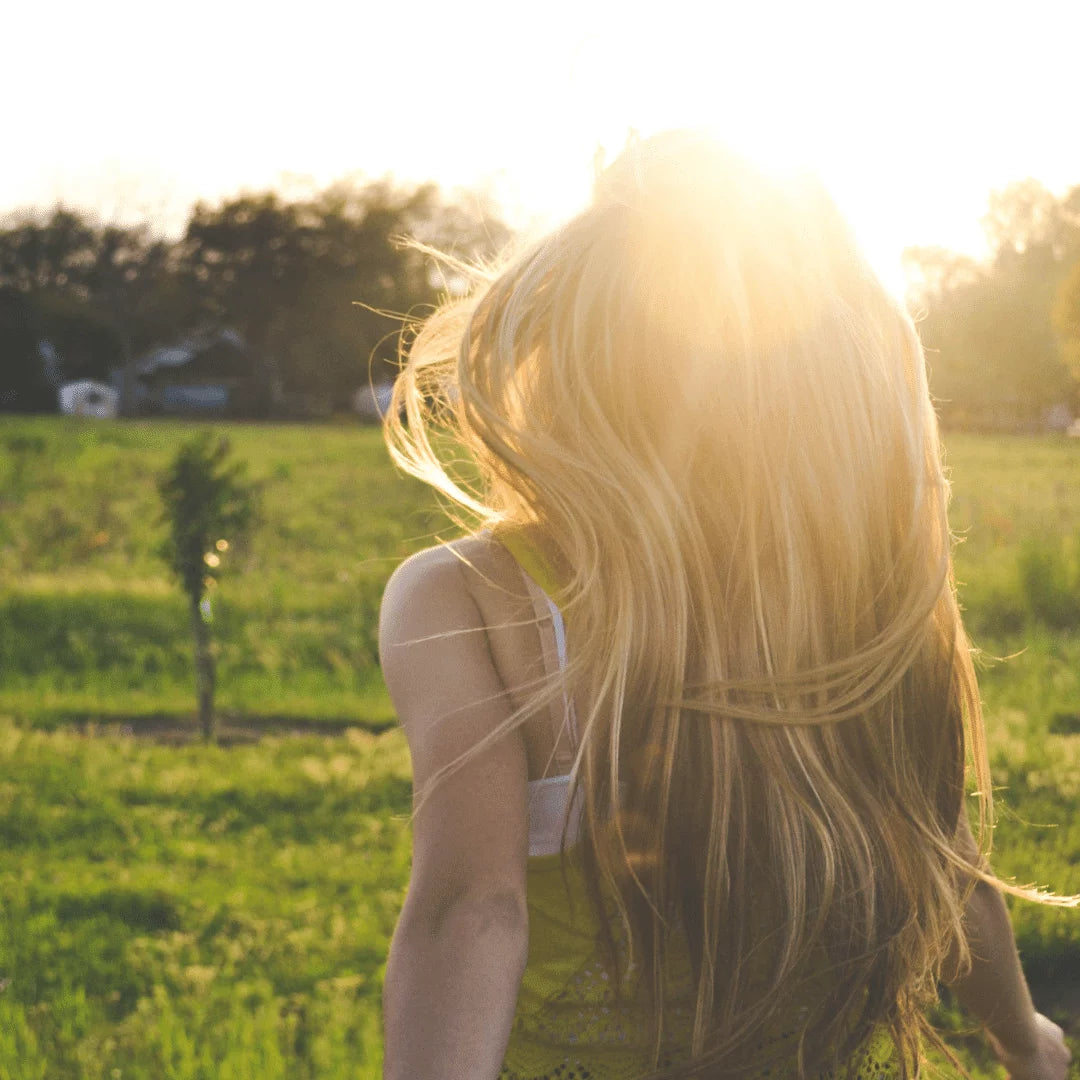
{"x":552,"y":818}
{"x":553,"y":645}
{"x":559,"y":626}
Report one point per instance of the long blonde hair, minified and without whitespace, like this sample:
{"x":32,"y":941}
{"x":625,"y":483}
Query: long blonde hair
{"x":699,"y":404}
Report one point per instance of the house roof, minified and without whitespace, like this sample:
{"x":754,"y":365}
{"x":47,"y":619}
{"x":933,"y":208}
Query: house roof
{"x":184,"y":352}
{"x":84,"y":386}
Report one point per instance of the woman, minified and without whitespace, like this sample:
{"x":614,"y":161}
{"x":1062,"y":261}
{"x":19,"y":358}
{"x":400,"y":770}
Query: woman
{"x":688,"y":711}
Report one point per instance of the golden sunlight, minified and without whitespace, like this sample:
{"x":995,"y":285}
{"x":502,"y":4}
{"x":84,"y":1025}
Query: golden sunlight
{"x":838,"y":91}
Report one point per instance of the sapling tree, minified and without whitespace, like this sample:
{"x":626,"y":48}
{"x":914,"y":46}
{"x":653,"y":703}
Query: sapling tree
{"x":210,"y":505}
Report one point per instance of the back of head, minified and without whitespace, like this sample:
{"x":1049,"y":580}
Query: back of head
{"x":700,"y":404}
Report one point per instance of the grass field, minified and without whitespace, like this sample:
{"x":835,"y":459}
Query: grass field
{"x":182,"y":911}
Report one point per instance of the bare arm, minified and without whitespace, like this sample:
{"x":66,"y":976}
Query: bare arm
{"x":995,"y":992}
{"x":461,"y":943}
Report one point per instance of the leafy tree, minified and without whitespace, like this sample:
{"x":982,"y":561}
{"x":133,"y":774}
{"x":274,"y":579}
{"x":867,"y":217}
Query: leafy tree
{"x":994,"y":355}
{"x":1066,"y":315}
{"x":121,"y":278}
{"x":40,"y":254}
{"x":305,"y":281}
{"x":87,"y":342}
{"x":23,"y":384}
{"x":1022,"y":217}
{"x":209,"y":506}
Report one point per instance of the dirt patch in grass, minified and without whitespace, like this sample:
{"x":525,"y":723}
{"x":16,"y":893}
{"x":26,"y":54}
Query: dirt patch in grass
{"x":180,"y":727}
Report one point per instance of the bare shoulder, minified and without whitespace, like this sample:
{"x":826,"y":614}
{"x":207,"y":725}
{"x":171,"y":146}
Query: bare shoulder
{"x":425,"y":597}
{"x":469,"y":765}
{"x":438,"y":665}
{"x":446,"y":587}
{"x":433,"y":569}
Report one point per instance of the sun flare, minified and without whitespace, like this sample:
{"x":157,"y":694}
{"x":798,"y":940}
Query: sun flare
{"x":910,"y":114}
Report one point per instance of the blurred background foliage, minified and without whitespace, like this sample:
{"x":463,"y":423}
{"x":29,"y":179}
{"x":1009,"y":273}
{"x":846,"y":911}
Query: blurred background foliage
{"x":315,"y":288}
{"x":1002,"y":335}
{"x":302,"y":281}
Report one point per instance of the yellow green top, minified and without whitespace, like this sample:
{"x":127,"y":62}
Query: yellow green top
{"x":531,"y":561}
{"x":568,"y":1023}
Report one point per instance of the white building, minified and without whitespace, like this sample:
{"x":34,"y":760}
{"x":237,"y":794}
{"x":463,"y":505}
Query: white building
{"x":87,"y":397}
{"x":372,"y":401}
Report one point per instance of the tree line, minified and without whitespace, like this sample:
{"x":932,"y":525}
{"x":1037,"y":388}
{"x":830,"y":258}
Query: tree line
{"x":314,"y":286}
{"x":1002,"y":334}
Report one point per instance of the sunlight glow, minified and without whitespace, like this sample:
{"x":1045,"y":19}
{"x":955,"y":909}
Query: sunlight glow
{"x":910,"y":113}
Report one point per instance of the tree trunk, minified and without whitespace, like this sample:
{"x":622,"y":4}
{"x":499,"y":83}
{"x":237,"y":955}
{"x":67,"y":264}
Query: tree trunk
{"x":204,"y":674}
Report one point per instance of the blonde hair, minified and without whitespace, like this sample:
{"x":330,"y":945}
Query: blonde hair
{"x":699,"y":404}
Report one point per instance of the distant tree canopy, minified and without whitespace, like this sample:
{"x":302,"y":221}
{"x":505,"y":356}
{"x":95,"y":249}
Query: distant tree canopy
{"x":312,"y":285}
{"x":297,"y":278}
{"x":64,"y":262}
{"x":24,"y":386}
{"x":1066,"y":315}
{"x":997,"y":333}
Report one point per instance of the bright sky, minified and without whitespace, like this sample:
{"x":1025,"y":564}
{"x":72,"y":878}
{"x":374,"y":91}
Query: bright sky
{"x":911,"y":112}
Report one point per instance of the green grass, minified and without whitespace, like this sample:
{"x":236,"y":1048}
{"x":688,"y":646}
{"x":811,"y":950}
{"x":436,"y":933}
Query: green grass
{"x":193,"y":911}
{"x":182,"y":911}
{"x":90,"y":622}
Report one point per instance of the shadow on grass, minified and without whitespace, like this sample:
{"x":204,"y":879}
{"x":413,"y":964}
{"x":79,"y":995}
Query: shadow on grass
{"x":148,"y":911}
{"x":234,"y":728}
{"x":1057,"y":993}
